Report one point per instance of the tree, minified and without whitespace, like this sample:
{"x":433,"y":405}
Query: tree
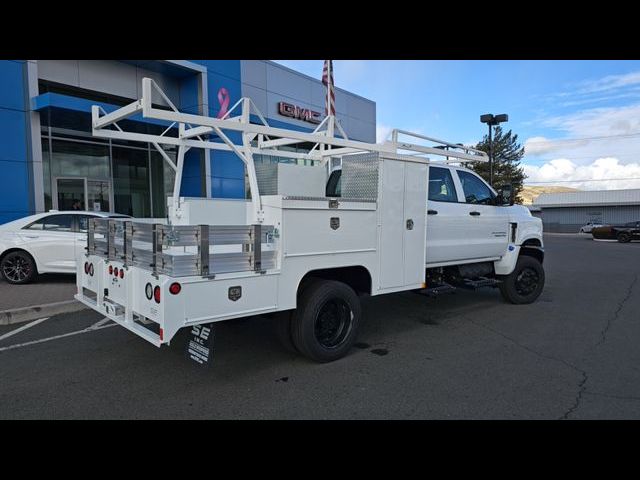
{"x":507,"y":154}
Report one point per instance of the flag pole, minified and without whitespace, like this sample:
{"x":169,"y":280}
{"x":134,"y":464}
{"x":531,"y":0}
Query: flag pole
{"x":331,"y":122}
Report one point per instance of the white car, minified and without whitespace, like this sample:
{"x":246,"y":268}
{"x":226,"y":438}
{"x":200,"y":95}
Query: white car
{"x":43,"y":243}
{"x":589,"y":226}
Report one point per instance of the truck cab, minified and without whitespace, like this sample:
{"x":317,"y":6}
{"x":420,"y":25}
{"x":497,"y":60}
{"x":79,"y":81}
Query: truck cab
{"x":474,"y":233}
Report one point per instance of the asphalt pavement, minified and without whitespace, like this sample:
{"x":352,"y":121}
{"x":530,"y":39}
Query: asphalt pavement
{"x":49,"y":288}
{"x":571,"y":355}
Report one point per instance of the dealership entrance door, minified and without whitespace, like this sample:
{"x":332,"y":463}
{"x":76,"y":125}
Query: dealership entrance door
{"x":93,"y":195}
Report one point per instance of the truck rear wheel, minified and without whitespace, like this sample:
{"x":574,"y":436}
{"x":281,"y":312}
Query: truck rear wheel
{"x":525,"y":283}
{"x":325,"y":324}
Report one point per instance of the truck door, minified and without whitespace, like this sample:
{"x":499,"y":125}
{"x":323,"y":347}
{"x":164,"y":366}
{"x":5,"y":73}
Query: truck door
{"x":402,"y":223}
{"x":487,"y":225}
{"x":446,"y":236}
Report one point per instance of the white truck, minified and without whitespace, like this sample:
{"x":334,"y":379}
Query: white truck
{"x":346,"y":219}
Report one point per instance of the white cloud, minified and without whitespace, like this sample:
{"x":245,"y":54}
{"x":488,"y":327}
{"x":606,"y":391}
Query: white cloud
{"x":610,"y":82}
{"x":382,"y":132}
{"x":584,"y":175}
{"x":616,"y":131}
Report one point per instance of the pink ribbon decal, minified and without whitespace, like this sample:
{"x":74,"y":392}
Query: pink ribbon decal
{"x":223,"y":100}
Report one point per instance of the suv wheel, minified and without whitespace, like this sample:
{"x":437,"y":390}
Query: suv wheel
{"x":18,"y":268}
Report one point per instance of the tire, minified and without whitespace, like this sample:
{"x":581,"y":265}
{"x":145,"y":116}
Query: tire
{"x":624,"y":237}
{"x":18,"y":268}
{"x":325,"y":324}
{"x":282,"y":324}
{"x":523,"y":285}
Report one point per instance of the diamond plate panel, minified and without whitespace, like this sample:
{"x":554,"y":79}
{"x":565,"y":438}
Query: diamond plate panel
{"x":360,"y":176}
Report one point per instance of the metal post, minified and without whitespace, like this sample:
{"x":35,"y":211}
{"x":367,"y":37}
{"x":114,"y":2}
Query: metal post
{"x":128,"y":244}
{"x":91,"y":245}
{"x":111,"y":240}
{"x":490,"y":157}
{"x":203,"y":249}
{"x":256,"y":233}
{"x":157,"y":234}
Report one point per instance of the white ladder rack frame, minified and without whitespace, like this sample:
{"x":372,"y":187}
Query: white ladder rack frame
{"x":191,"y":127}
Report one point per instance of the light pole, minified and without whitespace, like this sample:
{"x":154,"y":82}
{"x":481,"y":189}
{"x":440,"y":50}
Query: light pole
{"x":492,"y":120}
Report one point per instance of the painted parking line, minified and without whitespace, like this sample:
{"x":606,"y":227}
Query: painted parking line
{"x":23,"y":328}
{"x":96,"y":326}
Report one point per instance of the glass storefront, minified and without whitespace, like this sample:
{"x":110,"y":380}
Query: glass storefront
{"x":83,"y":172}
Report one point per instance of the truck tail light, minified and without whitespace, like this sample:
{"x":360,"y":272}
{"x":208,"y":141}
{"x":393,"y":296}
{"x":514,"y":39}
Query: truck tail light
{"x":156,"y":294}
{"x":122,"y":273}
{"x":115,"y":271}
{"x":148,"y":291}
{"x":110,"y":269}
{"x":86,"y":267}
{"x":91,"y":269}
{"x":161,"y":334}
{"x":175,"y":288}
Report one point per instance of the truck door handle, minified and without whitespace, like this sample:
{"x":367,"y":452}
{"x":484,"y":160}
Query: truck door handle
{"x":432,"y":212}
{"x":475,"y":214}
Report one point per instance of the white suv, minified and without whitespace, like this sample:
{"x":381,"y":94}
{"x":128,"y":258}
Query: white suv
{"x":43,"y":243}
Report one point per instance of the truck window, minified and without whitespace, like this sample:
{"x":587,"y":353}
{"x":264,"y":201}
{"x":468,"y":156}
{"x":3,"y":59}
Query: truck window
{"x":441,"y":186}
{"x":475,"y":190}
{"x":334,"y":185}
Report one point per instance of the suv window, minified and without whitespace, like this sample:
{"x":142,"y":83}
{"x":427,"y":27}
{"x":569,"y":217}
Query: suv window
{"x":475,"y":190}
{"x":56,"y":223}
{"x":441,"y":186}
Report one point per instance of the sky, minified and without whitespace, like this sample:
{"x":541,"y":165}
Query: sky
{"x":579,"y":121}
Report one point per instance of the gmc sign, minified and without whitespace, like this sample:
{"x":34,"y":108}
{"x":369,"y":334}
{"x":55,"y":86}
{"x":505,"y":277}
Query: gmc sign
{"x":288,"y":110}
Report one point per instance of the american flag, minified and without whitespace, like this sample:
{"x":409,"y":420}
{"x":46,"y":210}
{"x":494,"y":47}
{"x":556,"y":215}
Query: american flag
{"x":327,"y":80}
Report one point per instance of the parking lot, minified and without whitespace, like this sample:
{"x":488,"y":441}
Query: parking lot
{"x":571,"y":355}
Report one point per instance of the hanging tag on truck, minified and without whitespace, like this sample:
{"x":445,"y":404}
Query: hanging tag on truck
{"x":200,"y":344}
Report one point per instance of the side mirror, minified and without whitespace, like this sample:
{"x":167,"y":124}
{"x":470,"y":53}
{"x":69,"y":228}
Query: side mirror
{"x":505,"y":195}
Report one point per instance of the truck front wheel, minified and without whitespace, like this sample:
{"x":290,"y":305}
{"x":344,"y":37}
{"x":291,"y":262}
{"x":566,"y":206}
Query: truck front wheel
{"x":325,"y":324}
{"x":525,"y":283}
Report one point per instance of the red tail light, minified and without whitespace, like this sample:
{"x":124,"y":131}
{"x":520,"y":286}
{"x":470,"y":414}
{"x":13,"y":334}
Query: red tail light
{"x":115,"y":271}
{"x":175,"y":288}
{"x":156,"y":294}
{"x":86,"y":267}
{"x":122,"y":273}
{"x":110,"y":269}
{"x":161,"y":334}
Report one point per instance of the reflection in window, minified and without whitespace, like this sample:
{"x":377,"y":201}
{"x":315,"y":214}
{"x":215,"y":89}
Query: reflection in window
{"x":46,"y":175}
{"x":57,"y":223}
{"x":441,"y":186}
{"x":75,"y":159}
{"x":131,"y":192}
{"x":475,"y":190}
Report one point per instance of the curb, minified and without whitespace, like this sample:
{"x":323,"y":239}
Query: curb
{"x":26,"y":314}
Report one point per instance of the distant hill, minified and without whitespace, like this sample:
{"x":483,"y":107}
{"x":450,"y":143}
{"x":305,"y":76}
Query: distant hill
{"x":529,"y":193}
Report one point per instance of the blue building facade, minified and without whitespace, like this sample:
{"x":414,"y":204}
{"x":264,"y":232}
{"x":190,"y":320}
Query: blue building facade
{"x":49,"y":159}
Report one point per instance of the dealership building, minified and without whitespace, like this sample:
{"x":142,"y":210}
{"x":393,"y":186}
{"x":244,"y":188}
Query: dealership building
{"x":566,"y":212}
{"x":49,"y":159}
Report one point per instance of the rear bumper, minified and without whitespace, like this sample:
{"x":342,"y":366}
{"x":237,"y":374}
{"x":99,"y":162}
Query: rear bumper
{"x":122,"y":320}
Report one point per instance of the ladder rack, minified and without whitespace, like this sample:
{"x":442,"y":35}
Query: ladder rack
{"x":258,"y":138}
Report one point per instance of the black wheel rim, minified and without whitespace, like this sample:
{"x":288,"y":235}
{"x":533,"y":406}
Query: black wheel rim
{"x":333,"y":323}
{"x":527,"y":281}
{"x":16,"y":269}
